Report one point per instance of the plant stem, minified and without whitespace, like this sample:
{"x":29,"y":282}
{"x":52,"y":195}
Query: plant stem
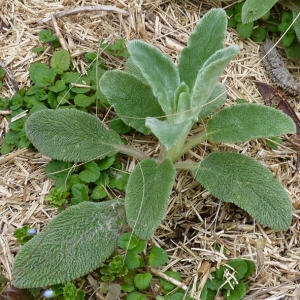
{"x":190,"y":144}
{"x":132,"y":151}
{"x":186,"y":166}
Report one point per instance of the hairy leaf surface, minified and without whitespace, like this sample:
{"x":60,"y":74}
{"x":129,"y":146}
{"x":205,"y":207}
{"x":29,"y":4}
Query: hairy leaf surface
{"x":147,"y":196}
{"x":236,"y":178}
{"x":242,"y":122}
{"x":71,"y":135}
{"x":207,"y":38}
{"x":131,"y":98}
{"x":131,"y":68}
{"x":209,"y":75}
{"x":168,"y":135}
{"x":159,"y":70}
{"x":71,"y":245}
{"x":215,"y":100}
{"x":253,"y":9}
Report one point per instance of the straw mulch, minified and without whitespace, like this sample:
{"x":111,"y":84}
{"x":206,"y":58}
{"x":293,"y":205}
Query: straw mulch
{"x":196,"y":223}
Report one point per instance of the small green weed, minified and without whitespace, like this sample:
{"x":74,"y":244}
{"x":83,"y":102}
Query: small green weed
{"x":253,"y":20}
{"x":24,"y":234}
{"x":229,"y":280}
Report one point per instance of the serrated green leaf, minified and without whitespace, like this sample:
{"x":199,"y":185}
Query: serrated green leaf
{"x":91,"y":172}
{"x":56,"y":169}
{"x":132,"y":260}
{"x":215,"y":100}
{"x":159,"y":70}
{"x":119,"y":126}
{"x":118,"y":180}
{"x":240,"y":267}
{"x":259,"y":34}
{"x":147,"y":195}
{"x":208,"y":77}
{"x":250,"y":267}
{"x":132,"y":99}
{"x":288,"y":39}
{"x":128,"y":241}
{"x":207,"y":38}
{"x":236,"y":178}
{"x":71,"y":135}
{"x":80,"y":193}
{"x":60,"y":61}
{"x":41,"y":75}
{"x":106,"y":162}
{"x":140,"y":247}
{"x":99,"y":192}
{"x":142,"y":281}
{"x":6,"y":148}
{"x":157,"y":257}
{"x":58,"y":87}
{"x":87,"y":230}
{"x":242,"y":122}
{"x":47,"y":36}
{"x":253,"y":10}
{"x":135,"y":296}
{"x":169,"y":135}
{"x":245,"y":30}
{"x":70,"y":77}
{"x":237,"y":293}
{"x":83,"y":100}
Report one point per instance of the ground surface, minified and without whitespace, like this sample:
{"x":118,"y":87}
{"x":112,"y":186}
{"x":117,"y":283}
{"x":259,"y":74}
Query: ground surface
{"x":196,"y":222}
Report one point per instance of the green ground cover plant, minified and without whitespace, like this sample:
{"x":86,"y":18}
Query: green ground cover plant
{"x":252,"y":18}
{"x":152,"y":95}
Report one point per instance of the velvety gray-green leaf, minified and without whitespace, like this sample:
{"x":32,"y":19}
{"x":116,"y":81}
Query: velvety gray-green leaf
{"x":209,"y":75}
{"x":158,"y":69}
{"x":254,"y":9}
{"x":168,"y":134}
{"x":243,"y":122}
{"x":207,"y":38}
{"x":132,"y":69}
{"x":131,"y":98}
{"x":147,"y":195}
{"x":73,"y":244}
{"x":215,"y":100}
{"x":236,"y":178}
{"x":71,"y":135}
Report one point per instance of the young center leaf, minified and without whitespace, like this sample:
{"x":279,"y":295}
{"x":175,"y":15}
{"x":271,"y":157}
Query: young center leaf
{"x":208,"y":77}
{"x":159,"y":70}
{"x":147,"y":195}
{"x":168,"y":135}
{"x":73,"y":244}
{"x":236,"y":178}
{"x":207,"y":38}
{"x":131,"y":98}
{"x":216,"y":99}
{"x":71,"y":135}
{"x":242,"y":122}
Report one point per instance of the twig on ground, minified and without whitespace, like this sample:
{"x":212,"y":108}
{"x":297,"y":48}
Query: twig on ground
{"x":59,"y":35}
{"x":168,"y":278}
{"x":84,"y":9}
{"x":10,"y":75}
